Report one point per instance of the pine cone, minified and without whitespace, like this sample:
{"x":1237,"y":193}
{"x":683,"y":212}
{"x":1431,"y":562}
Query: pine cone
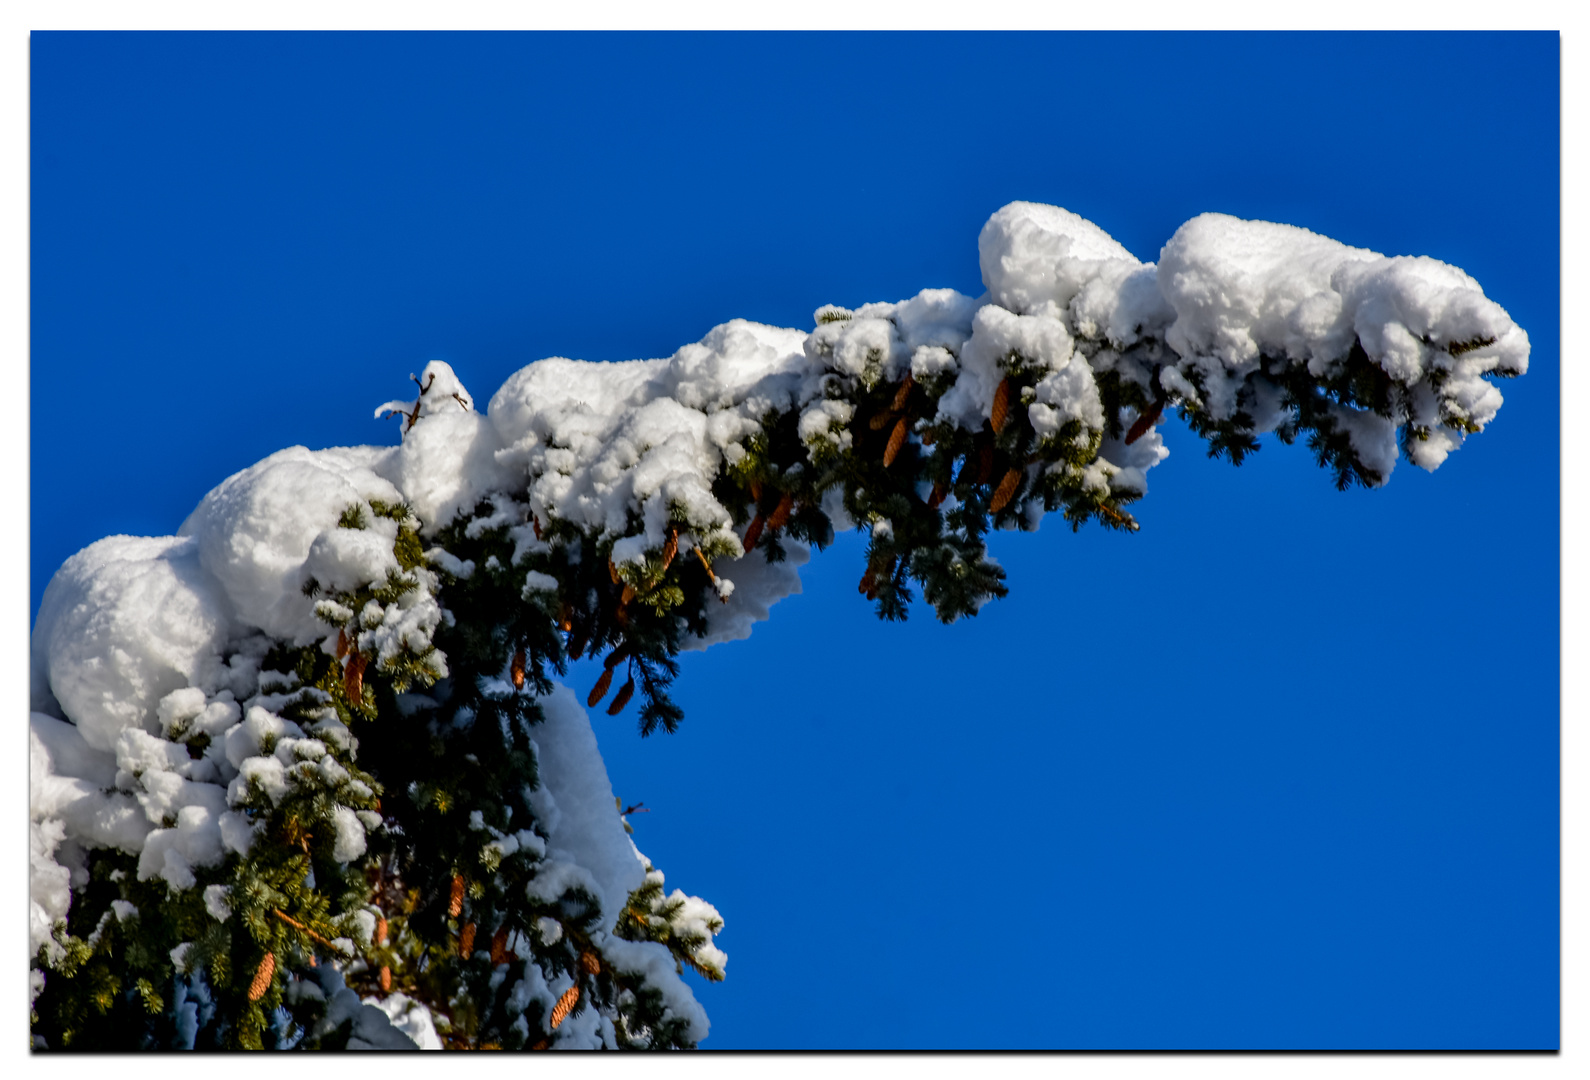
{"x":753,"y":533}
{"x":353,"y":679}
{"x":903,"y":394}
{"x":612,"y":570}
{"x":1001,"y":410}
{"x":939,"y":491}
{"x":565,"y":1005}
{"x":627,"y":595}
{"x":880,"y":420}
{"x":516,"y":670}
{"x":466,"y":941}
{"x":670,"y":548}
{"x":262,"y":977}
{"x":499,"y":945}
{"x":896,"y":440}
{"x":342,"y":642}
{"x":590,"y":963}
{"x":864,"y":586}
{"x":780,"y":515}
{"x":600,"y":689}
{"x":614,"y":657}
{"x":380,"y":930}
{"x":455,"y":902}
{"x":624,"y":694}
{"x":1004,"y":492}
{"x":1141,"y":425}
{"x":386,"y":979}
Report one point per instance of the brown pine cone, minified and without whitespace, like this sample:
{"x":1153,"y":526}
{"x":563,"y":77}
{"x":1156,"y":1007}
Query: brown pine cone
{"x":499,"y":945}
{"x":903,"y":394}
{"x":624,"y":694}
{"x":1006,"y":489}
{"x":565,"y":1005}
{"x":1141,"y":425}
{"x":342,"y":642}
{"x":753,"y":533}
{"x":612,"y":570}
{"x":353,"y":678}
{"x":380,"y":930}
{"x":386,"y":979}
{"x":455,"y":902}
{"x":780,"y":515}
{"x":466,"y":941}
{"x":939,"y":492}
{"x":590,"y":963}
{"x":262,"y":977}
{"x":670,"y":548}
{"x":516,"y":670}
{"x":880,"y":420}
{"x":896,"y":440}
{"x":1001,"y":410}
{"x":600,"y":689}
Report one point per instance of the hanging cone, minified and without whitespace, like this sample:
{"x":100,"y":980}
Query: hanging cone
{"x":939,"y":491}
{"x":615,"y":656}
{"x":262,"y":977}
{"x":342,"y":642}
{"x":1141,"y":425}
{"x":455,"y":902}
{"x":670,"y":548}
{"x":1001,"y":410}
{"x":353,"y":678}
{"x":780,"y":516}
{"x":902,"y":394}
{"x":516,"y":670}
{"x":565,"y":1005}
{"x":880,"y":421}
{"x":627,"y":595}
{"x":612,"y":570}
{"x":624,"y":694}
{"x":753,"y":533}
{"x":600,"y":689}
{"x":466,"y":941}
{"x":1004,"y":492}
{"x":756,"y":489}
{"x":386,"y":979}
{"x":590,"y":963}
{"x":380,"y":930}
{"x":896,"y":440}
{"x":499,"y":945}
{"x":864,"y":586}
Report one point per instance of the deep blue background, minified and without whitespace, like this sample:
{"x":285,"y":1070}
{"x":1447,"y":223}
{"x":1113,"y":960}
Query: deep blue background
{"x":1279,"y":771}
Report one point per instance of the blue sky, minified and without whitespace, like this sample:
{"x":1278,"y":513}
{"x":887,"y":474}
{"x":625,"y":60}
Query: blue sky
{"x":1281,"y":770}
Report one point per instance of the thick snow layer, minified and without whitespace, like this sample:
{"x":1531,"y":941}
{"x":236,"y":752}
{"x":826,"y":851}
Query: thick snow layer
{"x":124,"y":622}
{"x":578,"y":812}
{"x":256,"y":530}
